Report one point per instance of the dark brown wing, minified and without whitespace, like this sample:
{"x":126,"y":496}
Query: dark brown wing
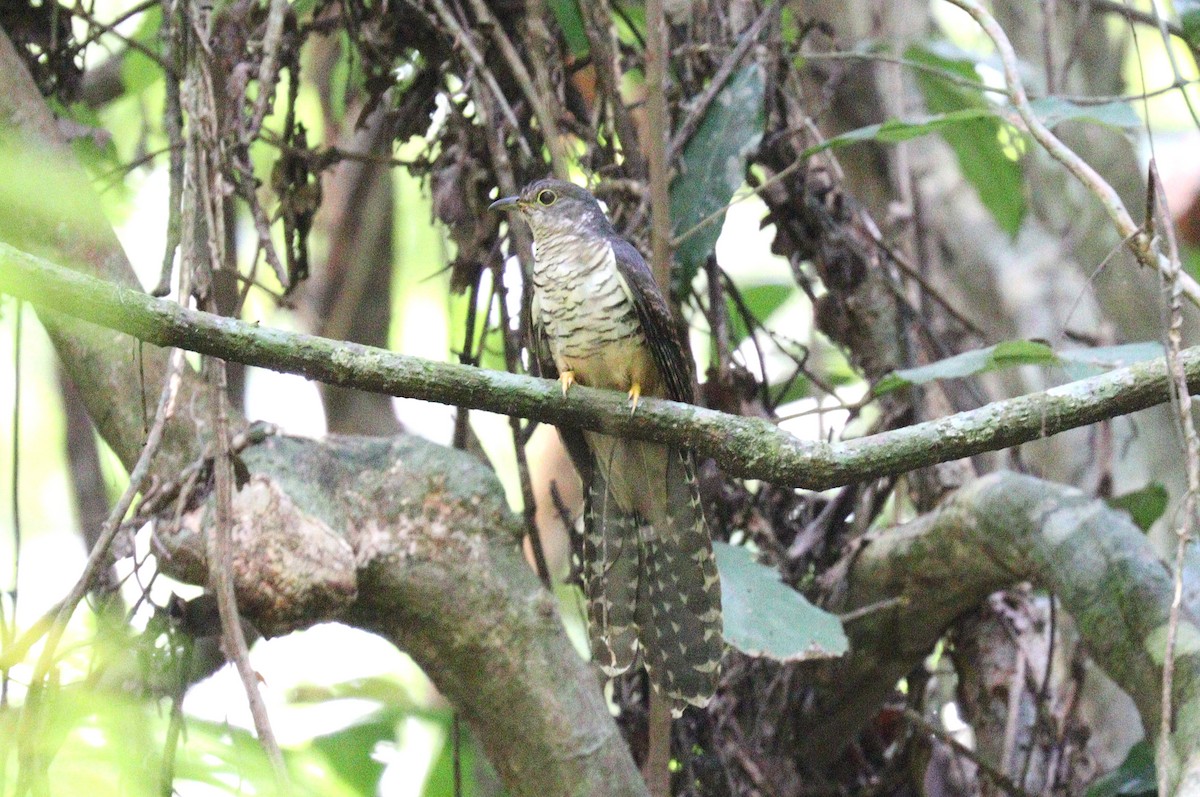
{"x":655,"y":316}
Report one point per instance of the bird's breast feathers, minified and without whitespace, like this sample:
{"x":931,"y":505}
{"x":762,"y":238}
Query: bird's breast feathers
{"x":586,"y":309}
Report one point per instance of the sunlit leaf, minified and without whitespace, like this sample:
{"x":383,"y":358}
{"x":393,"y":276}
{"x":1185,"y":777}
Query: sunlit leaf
{"x":1145,"y":506}
{"x":1189,"y":20}
{"x":350,"y":751}
{"x":969,"y":363}
{"x":761,"y":301}
{"x":765,"y":617}
{"x":1082,"y":363}
{"x":713,"y":168}
{"x":895,"y":130}
{"x":440,"y":781}
{"x":1053,"y":110}
{"x":138,"y":70}
{"x":978,"y":143}
{"x":1134,"y":778}
{"x":570,"y":22}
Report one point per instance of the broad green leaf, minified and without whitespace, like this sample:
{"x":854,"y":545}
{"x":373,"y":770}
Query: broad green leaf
{"x":440,"y":781}
{"x":1187,"y":641}
{"x":978,"y":361}
{"x":139,"y":71}
{"x":351,"y":750}
{"x":1189,"y":20}
{"x":1145,"y":505}
{"x":1053,"y":110}
{"x":978,"y":143}
{"x":1136,"y":777}
{"x":570,"y":22}
{"x":761,"y":301}
{"x":713,"y":168}
{"x":895,"y":130}
{"x":765,"y":617}
{"x":1082,"y":363}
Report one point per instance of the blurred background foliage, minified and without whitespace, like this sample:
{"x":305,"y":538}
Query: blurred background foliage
{"x":390,"y":131}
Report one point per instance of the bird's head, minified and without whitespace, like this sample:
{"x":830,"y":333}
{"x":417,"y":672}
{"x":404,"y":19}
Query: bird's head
{"x":554,"y":207}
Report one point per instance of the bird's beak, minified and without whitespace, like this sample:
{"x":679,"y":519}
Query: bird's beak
{"x":504,"y":203}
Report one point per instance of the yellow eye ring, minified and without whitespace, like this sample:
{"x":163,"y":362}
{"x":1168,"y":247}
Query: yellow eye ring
{"x":547,"y":197}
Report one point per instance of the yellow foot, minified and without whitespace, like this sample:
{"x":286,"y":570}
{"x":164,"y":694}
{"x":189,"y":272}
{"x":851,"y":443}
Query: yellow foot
{"x":635,"y":393}
{"x":567,"y":378}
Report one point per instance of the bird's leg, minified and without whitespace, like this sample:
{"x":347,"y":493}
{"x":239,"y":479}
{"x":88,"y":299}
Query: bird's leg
{"x":635,"y":393}
{"x":567,"y":378}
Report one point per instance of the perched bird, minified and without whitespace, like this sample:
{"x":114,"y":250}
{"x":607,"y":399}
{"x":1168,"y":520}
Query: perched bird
{"x":649,"y":574}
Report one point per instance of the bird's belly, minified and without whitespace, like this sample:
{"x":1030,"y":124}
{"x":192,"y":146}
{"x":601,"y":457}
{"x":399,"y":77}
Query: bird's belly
{"x":617,"y":365}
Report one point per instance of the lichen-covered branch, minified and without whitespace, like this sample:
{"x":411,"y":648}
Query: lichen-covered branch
{"x":415,"y":541}
{"x":745,"y":447}
{"x":999,"y":531}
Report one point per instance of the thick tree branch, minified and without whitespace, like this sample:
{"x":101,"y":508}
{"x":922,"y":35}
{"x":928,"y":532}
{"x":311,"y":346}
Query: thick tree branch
{"x":744,"y":447}
{"x":415,"y":542}
{"x":999,"y":531}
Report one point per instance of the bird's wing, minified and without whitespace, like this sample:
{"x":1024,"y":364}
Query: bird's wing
{"x":655,"y":317}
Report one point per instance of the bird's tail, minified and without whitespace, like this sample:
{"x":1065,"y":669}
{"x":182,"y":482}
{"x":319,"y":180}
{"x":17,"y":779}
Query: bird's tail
{"x":610,"y":568}
{"x":679,"y":607}
{"x":649,"y":573}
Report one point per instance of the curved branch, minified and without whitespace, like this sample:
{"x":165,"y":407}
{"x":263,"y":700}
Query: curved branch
{"x":999,"y":531}
{"x":415,"y":542}
{"x":744,"y":447}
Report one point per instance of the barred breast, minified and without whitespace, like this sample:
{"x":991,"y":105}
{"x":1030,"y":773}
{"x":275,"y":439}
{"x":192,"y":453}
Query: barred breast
{"x":582,"y":303}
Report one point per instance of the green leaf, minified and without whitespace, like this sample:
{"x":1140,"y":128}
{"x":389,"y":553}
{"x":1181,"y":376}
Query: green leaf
{"x":1189,"y":20}
{"x":1053,"y":110}
{"x":139,"y":71}
{"x":351,"y":750}
{"x":1082,"y":363}
{"x":440,"y":781}
{"x":713,"y":168}
{"x":570,"y":22}
{"x":896,"y":130}
{"x":1136,"y":777}
{"x":761,"y":301}
{"x":1145,"y":505}
{"x":978,"y":144}
{"x":970,"y":363}
{"x":765,"y":617}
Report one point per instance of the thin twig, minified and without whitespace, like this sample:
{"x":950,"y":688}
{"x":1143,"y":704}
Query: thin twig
{"x":30,"y":755}
{"x":994,"y":775}
{"x":1182,"y":401}
{"x":466,"y":40}
{"x":699,"y":107}
{"x":597,"y":17}
{"x":268,"y":69}
{"x":1139,"y":241}
{"x":658,"y":124}
{"x":541,"y":104}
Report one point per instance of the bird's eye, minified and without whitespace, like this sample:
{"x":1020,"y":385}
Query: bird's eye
{"x":547,"y":197}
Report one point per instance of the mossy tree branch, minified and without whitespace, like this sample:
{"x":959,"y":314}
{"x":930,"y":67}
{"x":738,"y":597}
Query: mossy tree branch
{"x":744,"y":447}
{"x":996,"y":532}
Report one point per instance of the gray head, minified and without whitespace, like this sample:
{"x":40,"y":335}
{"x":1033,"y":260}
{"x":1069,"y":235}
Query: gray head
{"x":554,"y":207}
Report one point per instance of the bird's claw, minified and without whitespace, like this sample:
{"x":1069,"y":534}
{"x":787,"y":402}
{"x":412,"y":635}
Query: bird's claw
{"x":567,"y":378}
{"x":635,"y":393}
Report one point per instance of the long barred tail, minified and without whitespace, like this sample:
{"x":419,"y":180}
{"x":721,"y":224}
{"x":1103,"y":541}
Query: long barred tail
{"x":683,"y":592}
{"x":610,"y":570}
{"x":652,"y":586}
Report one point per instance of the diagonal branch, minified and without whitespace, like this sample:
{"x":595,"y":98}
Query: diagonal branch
{"x":744,"y":447}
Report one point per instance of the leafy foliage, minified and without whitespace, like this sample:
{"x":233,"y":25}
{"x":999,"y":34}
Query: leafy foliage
{"x":765,"y":617}
{"x":1145,"y":506}
{"x":978,"y":144}
{"x":713,"y":168}
{"x":1078,"y":363}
